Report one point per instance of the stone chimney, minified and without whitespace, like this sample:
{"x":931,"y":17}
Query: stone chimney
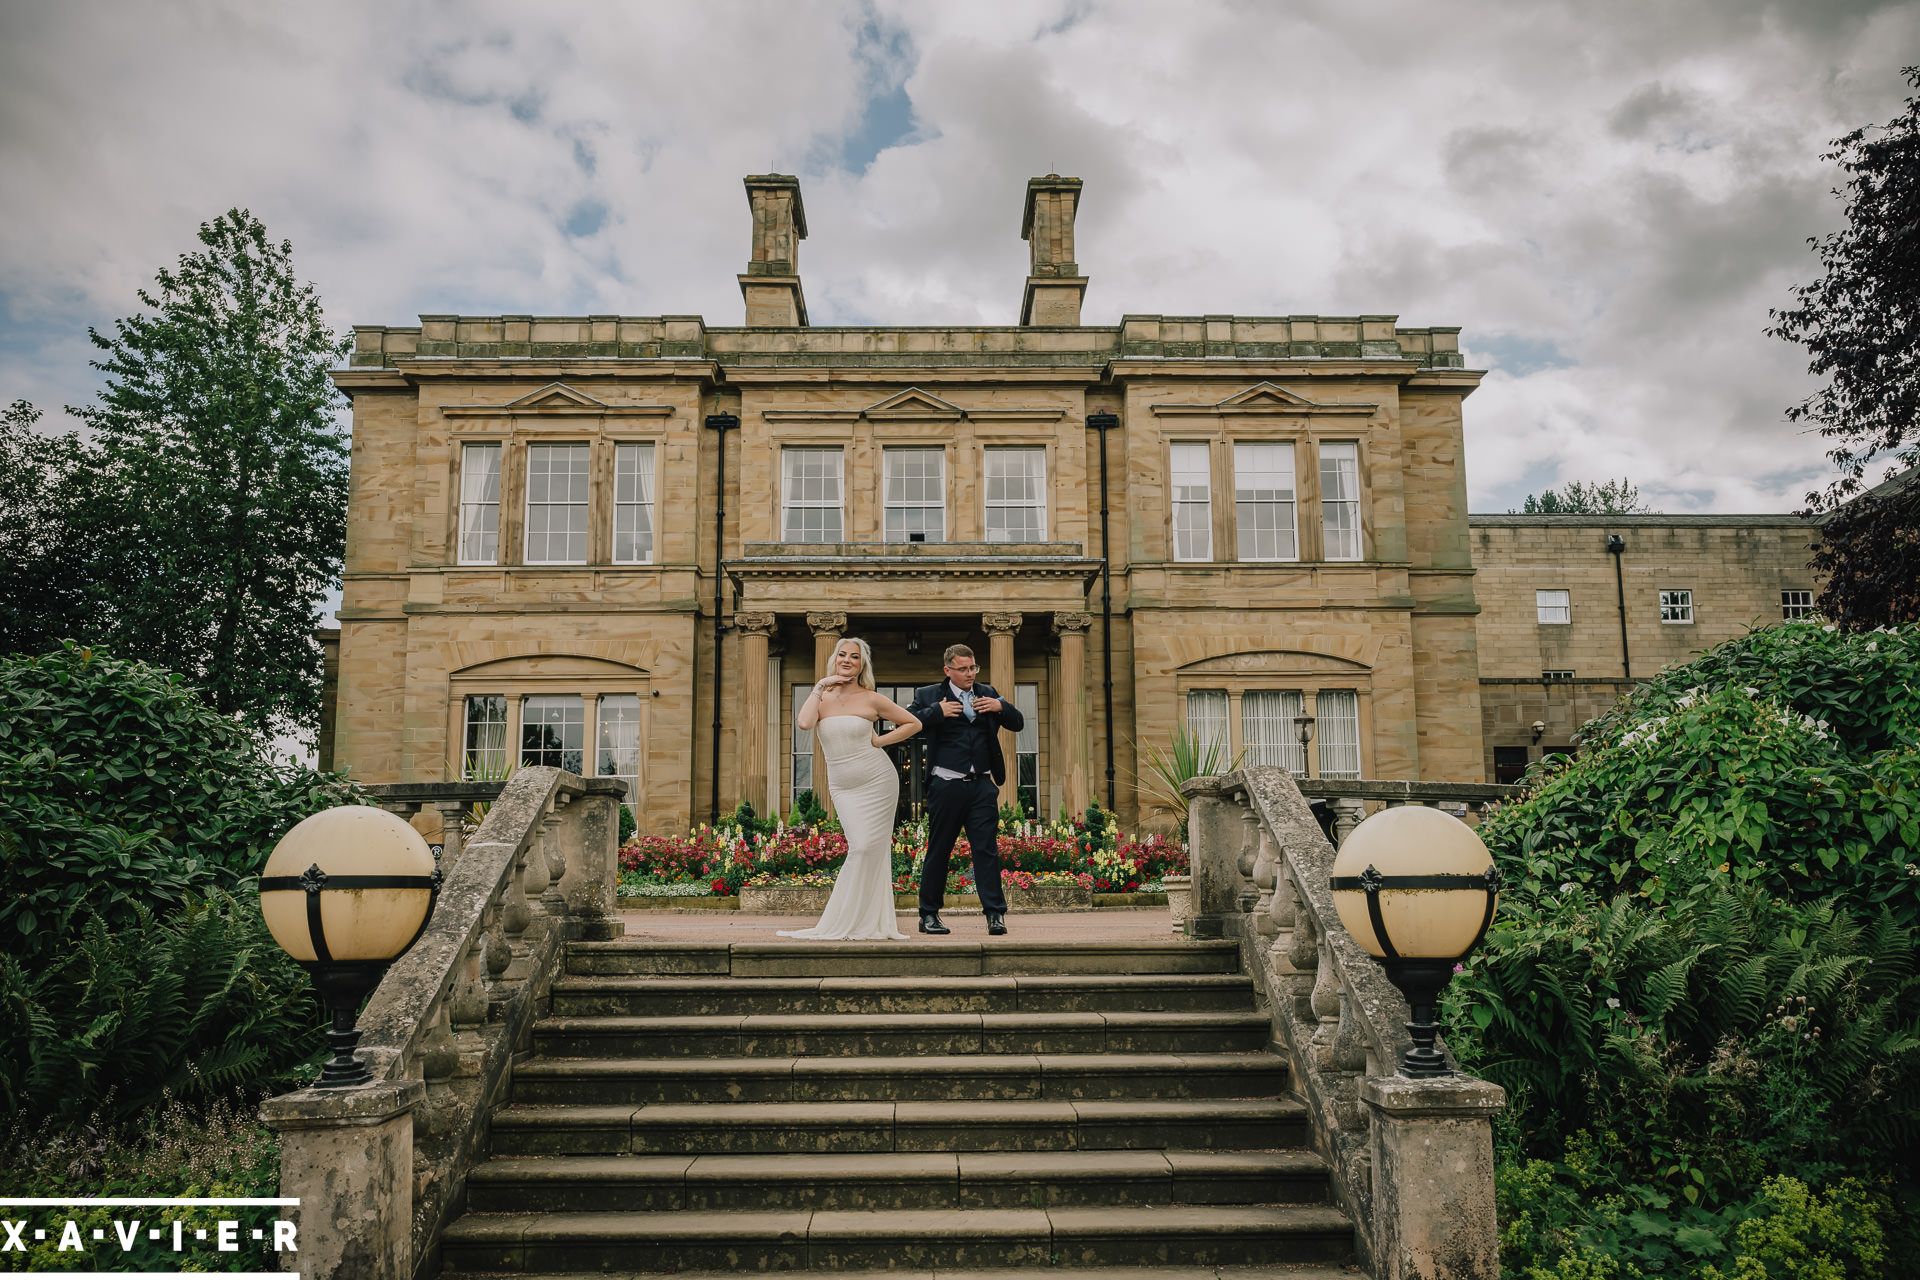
{"x":771,"y":285}
{"x":1054,"y":283}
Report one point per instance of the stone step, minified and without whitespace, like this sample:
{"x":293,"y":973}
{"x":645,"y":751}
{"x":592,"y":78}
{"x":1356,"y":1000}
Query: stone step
{"x":925,"y":957}
{"x":854,"y":1240}
{"x":845,"y":1127}
{"x":893,"y":1180}
{"x":813,"y":1035}
{"x":576,"y":996}
{"x":976,"y":1077}
{"x":1198,"y":1271}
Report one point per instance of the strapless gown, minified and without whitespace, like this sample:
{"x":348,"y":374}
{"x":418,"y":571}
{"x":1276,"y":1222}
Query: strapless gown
{"x":866,"y":789}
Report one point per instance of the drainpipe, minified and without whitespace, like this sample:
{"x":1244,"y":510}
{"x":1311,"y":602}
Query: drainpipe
{"x":1103,"y":423}
{"x":719,"y":424}
{"x":1615,"y":545}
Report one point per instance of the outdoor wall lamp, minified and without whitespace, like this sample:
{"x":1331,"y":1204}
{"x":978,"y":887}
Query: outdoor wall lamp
{"x":365,"y":896}
{"x":1306,"y":732}
{"x":1416,"y":888}
{"x":1539,"y":728}
{"x":913,"y":642}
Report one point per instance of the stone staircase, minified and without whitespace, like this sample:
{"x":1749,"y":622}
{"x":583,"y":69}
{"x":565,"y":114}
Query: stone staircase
{"x":933,"y":1107}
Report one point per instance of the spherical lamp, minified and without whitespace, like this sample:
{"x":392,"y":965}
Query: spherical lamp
{"x":345,"y":893}
{"x":1416,"y":888}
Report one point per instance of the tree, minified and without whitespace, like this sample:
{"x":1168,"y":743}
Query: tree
{"x":223,"y":476}
{"x":1860,"y":323}
{"x":1575,"y":498}
{"x":49,"y":587}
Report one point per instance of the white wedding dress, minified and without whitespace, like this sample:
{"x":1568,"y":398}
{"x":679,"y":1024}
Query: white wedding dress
{"x":866,"y":790}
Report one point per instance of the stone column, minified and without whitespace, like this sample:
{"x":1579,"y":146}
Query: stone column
{"x":1000,"y":629}
{"x":1072,"y":693}
{"x":1432,"y":1148}
{"x":756,"y":630}
{"x":348,"y":1155}
{"x":827,"y":629}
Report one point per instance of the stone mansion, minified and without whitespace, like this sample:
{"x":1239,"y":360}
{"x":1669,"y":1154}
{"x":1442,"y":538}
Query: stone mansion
{"x":624,"y":545}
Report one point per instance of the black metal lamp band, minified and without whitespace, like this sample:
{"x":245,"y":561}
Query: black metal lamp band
{"x":1420,"y":979}
{"x":1372,"y":883}
{"x":313,"y":881}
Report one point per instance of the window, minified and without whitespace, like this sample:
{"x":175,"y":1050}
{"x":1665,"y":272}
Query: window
{"x":1191,"y":486}
{"x":802,"y":746}
{"x":486,"y":754}
{"x":1207,"y":722}
{"x":1509,"y":764}
{"x":1339,"y":733}
{"x":1555,"y":608}
{"x":633,"y":504}
{"x":480,"y":504}
{"x":1016,"y":495}
{"x":552,"y":727}
{"x":1676,"y":606}
{"x":1556,"y":675}
{"x":810,"y":480}
{"x":557,"y":485}
{"x":916,"y":495}
{"x":1263,"y":498}
{"x":1270,"y":729}
{"x":1026,"y":750}
{"x":1340,"y":499}
{"x":1796,"y":604}
{"x":619,"y":751}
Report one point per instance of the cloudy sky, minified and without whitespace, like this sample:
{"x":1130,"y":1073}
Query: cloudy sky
{"x":1607,"y":197}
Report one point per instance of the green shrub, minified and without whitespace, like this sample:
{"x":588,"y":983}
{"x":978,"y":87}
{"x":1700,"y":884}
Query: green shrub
{"x":198,"y":1004}
{"x":1797,"y":1234}
{"x":1719,"y":786}
{"x":215,"y":1149}
{"x":121,"y":788}
{"x":1733,"y":1034}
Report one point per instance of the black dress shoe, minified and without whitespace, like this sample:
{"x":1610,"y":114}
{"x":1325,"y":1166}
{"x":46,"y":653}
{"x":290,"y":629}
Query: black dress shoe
{"x":996,"y":923}
{"x":930,"y":923}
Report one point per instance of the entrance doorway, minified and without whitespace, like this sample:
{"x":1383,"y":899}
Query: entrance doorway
{"x":910,"y":757}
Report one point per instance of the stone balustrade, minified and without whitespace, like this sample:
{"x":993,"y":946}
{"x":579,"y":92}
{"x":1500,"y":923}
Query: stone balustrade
{"x":1412,"y":1159}
{"x":380,"y":1167}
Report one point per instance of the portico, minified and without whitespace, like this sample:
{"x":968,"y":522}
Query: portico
{"x":1020,"y":607}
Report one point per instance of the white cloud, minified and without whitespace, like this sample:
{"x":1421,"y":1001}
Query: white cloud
{"x":1607,"y":199}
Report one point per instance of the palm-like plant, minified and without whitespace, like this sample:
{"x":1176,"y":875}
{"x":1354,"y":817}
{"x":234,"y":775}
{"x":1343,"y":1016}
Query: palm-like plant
{"x":1187,"y":756}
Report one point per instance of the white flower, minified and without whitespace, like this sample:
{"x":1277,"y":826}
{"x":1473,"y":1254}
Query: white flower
{"x":1566,"y":886}
{"x":1613,"y":1002}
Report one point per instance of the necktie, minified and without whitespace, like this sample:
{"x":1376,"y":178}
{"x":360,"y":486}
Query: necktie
{"x":966,"y":703}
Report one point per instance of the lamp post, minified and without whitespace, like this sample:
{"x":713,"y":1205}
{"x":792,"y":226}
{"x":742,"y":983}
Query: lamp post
{"x":1306,"y":733}
{"x":1416,"y":888}
{"x":345,"y":893}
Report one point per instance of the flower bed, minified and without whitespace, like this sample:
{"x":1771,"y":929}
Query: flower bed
{"x":1089,"y":853}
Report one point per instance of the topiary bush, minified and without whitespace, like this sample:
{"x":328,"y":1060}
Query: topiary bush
{"x":1805,"y":785}
{"x":121,"y":789}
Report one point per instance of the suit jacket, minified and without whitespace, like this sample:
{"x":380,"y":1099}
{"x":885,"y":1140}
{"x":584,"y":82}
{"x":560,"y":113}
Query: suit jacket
{"x":961,"y":744}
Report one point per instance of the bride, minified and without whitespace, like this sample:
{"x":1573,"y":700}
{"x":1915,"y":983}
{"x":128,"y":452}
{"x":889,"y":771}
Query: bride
{"x":865,"y":789}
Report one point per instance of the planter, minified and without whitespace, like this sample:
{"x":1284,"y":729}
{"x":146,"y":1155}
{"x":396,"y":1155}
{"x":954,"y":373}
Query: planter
{"x":783,"y":899}
{"x":1179,"y":893}
{"x":1052,"y":897}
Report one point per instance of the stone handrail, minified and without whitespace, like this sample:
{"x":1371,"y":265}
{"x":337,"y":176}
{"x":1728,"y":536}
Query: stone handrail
{"x":380,"y":1167}
{"x":1412,"y":1160}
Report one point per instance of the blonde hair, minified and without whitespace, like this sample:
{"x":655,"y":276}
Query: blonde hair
{"x":865,"y":678}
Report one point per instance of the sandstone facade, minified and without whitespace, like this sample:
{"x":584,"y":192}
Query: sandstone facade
{"x":1282,"y":514}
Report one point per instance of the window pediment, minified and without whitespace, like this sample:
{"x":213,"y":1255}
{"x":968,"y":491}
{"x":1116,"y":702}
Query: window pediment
{"x":1265,"y":398}
{"x":547,"y":666}
{"x":1275,"y":662}
{"x":558,"y":400}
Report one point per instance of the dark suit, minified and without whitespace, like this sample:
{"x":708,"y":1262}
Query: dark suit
{"x":968,"y":747}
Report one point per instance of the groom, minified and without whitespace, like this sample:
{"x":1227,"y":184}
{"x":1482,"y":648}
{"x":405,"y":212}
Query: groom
{"x":962,"y":719}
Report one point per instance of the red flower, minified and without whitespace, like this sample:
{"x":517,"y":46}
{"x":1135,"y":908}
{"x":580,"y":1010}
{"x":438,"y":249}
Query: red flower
{"x":720,"y":887}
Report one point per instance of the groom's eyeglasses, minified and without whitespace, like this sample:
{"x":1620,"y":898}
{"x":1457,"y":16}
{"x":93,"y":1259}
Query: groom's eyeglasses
{"x":965,"y":669}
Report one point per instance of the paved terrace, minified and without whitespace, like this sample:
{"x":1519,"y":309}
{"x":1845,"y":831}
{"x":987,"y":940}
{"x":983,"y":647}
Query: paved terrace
{"x":1121,"y":924}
